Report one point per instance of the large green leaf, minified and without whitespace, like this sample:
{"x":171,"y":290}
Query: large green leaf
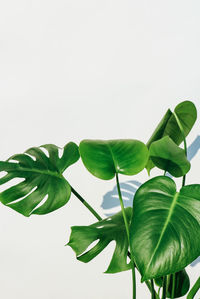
{"x":165,"y":228}
{"x":182,"y":284}
{"x":42,"y":177}
{"x":187,"y":114}
{"x":107,"y":230}
{"x":106,"y":158}
{"x":166,"y":155}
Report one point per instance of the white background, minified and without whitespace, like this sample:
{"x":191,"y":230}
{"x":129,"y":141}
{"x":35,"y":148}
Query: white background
{"x":78,"y":69}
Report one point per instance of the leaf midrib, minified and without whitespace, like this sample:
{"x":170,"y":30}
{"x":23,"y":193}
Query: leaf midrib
{"x":113,"y":157}
{"x":174,"y":201}
{"x":45,"y":172}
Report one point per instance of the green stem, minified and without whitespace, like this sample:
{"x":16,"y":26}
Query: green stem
{"x":194,"y":289}
{"x":183,"y":184}
{"x":98,"y":217}
{"x":152,"y":290}
{"x":184,"y":141}
{"x":86,"y":204}
{"x":127,"y":231}
{"x":173,"y":284}
{"x":164,"y":287}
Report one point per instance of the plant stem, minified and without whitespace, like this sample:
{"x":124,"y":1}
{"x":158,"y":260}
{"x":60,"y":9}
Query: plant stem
{"x":127,"y":231}
{"x":164,"y":287}
{"x":86,"y":204}
{"x":184,"y":141}
{"x":152,"y":290}
{"x":173,"y":284}
{"x":194,"y":289}
{"x":98,"y":217}
{"x":183,"y":184}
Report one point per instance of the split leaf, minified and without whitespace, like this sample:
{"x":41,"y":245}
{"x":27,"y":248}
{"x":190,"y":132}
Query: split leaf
{"x":105,"y":231}
{"x":42,"y":178}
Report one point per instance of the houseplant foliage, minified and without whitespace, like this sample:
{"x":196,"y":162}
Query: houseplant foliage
{"x":160,"y":233}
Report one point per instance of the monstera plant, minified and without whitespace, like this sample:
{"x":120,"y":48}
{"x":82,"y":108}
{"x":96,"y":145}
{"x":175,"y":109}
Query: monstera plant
{"x":158,"y":236}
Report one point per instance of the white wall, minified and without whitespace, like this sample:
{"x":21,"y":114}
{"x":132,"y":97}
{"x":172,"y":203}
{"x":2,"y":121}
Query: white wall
{"x":78,"y":69}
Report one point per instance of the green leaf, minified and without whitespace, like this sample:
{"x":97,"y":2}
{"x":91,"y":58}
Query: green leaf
{"x":165,"y":228}
{"x":166,"y":155}
{"x":106,"y":158}
{"x":182,"y":284}
{"x":42,"y":177}
{"x":160,"y":129}
{"x":107,"y":230}
{"x":187,"y":114}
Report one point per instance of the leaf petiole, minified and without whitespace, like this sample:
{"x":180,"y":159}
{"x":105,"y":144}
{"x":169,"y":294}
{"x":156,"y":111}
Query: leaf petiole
{"x":86,"y":204}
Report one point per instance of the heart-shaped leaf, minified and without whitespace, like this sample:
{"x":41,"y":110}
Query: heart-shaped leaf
{"x":106,"y":158}
{"x":165,"y":228}
{"x":187,"y":115}
{"x":42,"y":178}
{"x":182,"y":284}
{"x":166,"y":155}
{"x":107,"y":230}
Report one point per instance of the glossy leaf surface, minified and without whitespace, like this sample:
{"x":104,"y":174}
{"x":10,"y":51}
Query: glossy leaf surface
{"x":107,"y":230}
{"x":187,"y":114}
{"x":165,"y":229}
{"x":106,"y":158}
{"x":42,"y":177}
{"x":182,"y":284}
{"x":166,"y":155}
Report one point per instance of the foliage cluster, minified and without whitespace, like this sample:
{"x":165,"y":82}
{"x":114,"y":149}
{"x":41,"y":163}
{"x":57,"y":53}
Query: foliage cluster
{"x":161,"y":232}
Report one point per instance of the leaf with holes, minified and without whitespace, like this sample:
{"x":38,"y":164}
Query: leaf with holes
{"x":166,"y":155}
{"x":165,"y":228}
{"x":107,"y":230}
{"x":105,"y":158}
{"x":187,"y":115}
{"x":42,"y":178}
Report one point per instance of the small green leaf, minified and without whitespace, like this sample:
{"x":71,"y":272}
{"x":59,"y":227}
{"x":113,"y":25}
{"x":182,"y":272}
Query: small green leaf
{"x":166,"y":155}
{"x":160,"y":129}
{"x":187,"y":114}
{"x":42,"y":177}
{"x":182,"y":284}
{"x":165,"y":228}
{"x":107,"y":230}
{"x":106,"y":158}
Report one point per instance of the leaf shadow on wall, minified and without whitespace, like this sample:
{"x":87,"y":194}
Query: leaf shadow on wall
{"x":128,"y":189}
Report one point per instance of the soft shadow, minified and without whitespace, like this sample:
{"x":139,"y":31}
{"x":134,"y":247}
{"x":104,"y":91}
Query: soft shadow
{"x":111,"y":200}
{"x":128,"y":189}
{"x":193,"y":148}
{"x":195,"y":262}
